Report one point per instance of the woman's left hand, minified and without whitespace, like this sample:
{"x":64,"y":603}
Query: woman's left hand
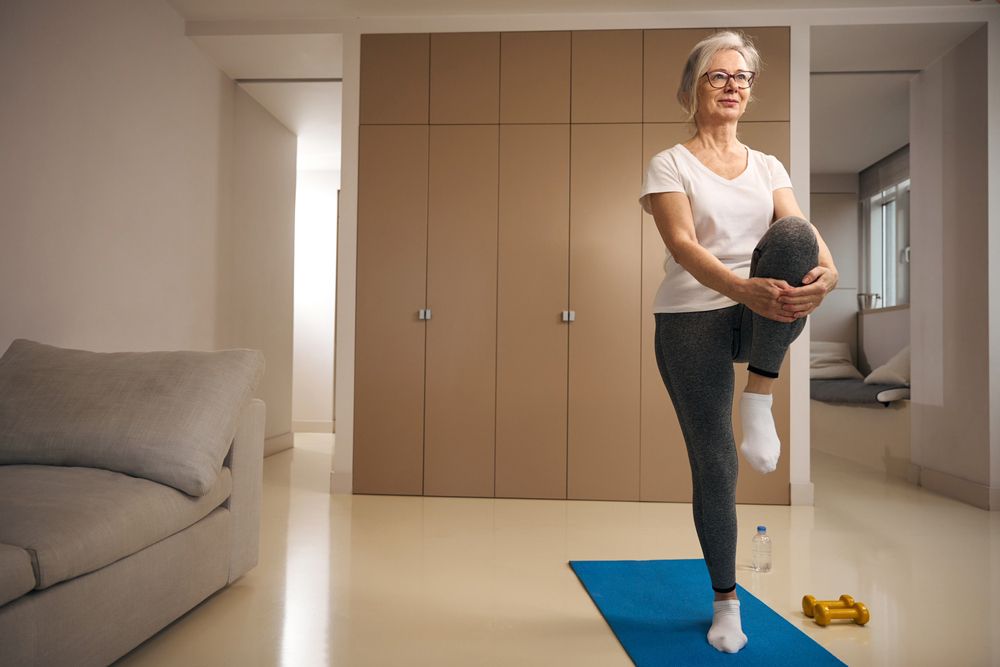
{"x":802,"y":301}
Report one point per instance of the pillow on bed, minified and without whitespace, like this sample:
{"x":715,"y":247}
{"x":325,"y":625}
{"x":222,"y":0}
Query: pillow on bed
{"x":894,"y":371}
{"x":887,"y":396}
{"x":831,"y":361}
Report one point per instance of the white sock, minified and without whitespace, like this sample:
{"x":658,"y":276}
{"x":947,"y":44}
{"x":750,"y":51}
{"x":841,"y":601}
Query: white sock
{"x":727,"y":629}
{"x":761,"y":446}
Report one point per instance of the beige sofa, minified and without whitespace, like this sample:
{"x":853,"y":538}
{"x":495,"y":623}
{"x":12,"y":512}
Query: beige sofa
{"x":130,"y":488}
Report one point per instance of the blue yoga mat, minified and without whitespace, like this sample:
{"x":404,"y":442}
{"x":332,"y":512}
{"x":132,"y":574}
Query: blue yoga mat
{"x":661,"y":611}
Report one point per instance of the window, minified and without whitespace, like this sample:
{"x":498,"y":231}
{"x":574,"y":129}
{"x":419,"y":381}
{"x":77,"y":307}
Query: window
{"x":885,"y":232}
{"x":886,"y":247}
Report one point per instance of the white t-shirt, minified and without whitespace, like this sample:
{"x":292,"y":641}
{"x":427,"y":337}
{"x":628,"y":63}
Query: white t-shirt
{"x":730,"y":217}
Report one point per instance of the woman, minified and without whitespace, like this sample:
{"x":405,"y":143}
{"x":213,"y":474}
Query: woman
{"x":743,"y":271}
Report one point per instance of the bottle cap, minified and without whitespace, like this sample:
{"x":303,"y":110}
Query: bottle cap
{"x":761,"y":529}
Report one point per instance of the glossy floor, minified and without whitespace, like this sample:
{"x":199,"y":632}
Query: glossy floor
{"x":386,"y":581}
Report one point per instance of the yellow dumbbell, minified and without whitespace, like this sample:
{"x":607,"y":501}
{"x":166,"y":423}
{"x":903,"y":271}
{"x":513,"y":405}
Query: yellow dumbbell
{"x":856,"y":612}
{"x":809,"y":603}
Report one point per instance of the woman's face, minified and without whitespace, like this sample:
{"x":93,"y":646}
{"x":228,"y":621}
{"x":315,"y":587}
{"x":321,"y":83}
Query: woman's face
{"x":725,"y":104}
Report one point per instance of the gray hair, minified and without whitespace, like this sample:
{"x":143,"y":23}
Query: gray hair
{"x":700,"y":58}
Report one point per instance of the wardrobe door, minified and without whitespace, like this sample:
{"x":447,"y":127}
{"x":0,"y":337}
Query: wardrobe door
{"x":605,"y":295}
{"x":664,"y":53}
{"x":532,"y":292}
{"x":607,"y":76}
{"x":534,"y":77}
{"x":461,"y":295}
{"x":771,"y":138}
{"x":666,"y":473}
{"x":772,"y":88}
{"x":394,"y":79}
{"x":391,"y":289}
{"x":772,"y":488}
{"x":465,"y":78}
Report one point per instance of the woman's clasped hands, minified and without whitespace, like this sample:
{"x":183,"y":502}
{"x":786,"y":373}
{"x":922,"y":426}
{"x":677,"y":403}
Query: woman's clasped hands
{"x":777,"y":300}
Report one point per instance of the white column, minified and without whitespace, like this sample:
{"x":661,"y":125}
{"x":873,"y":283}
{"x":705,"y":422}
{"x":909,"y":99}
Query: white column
{"x":798,"y":450}
{"x":341,"y":480}
{"x":993,"y":105}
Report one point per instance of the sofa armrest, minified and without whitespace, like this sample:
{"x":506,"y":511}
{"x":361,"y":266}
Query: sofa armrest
{"x":246,"y":462}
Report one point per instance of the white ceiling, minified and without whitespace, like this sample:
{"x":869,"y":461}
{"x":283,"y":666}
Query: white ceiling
{"x":857,"y":119}
{"x":863,"y":48}
{"x":267,"y":67}
{"x":204,"y":10}
{"x":311,"y":110}
{"x":275,"y":56}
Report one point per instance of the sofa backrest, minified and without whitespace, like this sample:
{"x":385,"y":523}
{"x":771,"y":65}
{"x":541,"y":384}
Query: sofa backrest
{"x":164,"y":416}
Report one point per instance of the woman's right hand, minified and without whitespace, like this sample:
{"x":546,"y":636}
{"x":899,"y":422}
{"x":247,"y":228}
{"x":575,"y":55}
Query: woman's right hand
{"x":761,"y":296}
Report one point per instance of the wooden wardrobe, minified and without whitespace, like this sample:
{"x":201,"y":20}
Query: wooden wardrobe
{"x":506,"y":271}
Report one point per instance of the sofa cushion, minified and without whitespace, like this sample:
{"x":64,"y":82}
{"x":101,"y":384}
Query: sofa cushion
{"x":16,"y":575}
{"x":76,"y":520}
{"x":165,"y":416}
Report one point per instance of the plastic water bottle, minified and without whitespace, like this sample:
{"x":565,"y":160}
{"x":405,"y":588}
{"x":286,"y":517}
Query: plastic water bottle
{"x":761,"y":550}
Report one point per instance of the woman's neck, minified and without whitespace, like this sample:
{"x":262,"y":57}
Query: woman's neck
{"x":718,"y":139}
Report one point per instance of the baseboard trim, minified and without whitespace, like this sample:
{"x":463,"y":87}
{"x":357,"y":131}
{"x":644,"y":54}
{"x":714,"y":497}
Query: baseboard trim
{"x":312,"y":426}
{"x":802,"y":494}
{"x":972,"y":493}
{"x":341,"y":482}
{"x":278,"y":443}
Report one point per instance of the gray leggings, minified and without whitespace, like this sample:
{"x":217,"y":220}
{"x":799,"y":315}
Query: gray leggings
{"x":695,"y":353}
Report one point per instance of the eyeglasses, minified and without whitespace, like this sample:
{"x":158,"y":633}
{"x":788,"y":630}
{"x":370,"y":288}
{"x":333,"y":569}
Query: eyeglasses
{"x":718,"y":78}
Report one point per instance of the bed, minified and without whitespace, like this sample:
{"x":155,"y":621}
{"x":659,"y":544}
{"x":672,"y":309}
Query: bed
{"x":856,"y":392}
{"x":863,"y":418}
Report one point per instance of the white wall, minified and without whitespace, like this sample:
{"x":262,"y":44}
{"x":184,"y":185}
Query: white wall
{"x":834,"y":209}
{"x":114,"y":169}
{"x":950,"y":296}
{"x":117,"y":183}
{"x":993,"y":141}
{"x":315,"y":300}
{"x":261,"y":246}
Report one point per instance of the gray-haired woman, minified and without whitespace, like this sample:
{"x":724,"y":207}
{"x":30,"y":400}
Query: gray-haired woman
{"x":743,"y":271}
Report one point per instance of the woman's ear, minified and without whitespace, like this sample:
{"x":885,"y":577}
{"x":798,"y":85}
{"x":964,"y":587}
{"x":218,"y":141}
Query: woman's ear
{"x":686,"y":99}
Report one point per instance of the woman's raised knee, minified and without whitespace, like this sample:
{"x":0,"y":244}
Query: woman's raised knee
{"x":791,"y":232}
{"x":792,"y":224}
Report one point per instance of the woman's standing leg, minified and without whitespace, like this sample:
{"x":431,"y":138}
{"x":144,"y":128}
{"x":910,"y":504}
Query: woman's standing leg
{"x":694,"y":354}
{"x":788,"y":251}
